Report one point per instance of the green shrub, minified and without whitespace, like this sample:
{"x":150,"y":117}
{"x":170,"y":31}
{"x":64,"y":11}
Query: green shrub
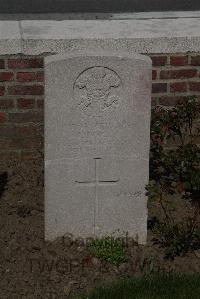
{"x":176,"y":171}
{"x":177,"y":239}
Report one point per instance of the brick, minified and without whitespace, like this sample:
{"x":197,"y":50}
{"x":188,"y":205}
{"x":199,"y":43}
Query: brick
{"x":2,"y":90}
{"x":9,"y":155}
{"x":171,"y":100}
{"x":25,"y":76}
{"x":2,"y":117}
{"x":20,"y":143}
{"x":178,"y":87}
{"x":154,"y":75}
{"x":29,"y":130}
{"x":6,"y":103}
{"x":21,"y":131}
{"x":25,"y":103}
{"x":179,"y":60}
{"x":159,"y":87}
{"x":25,"y":63}
{"x":26,"y":117}
{"x":40,"y":76}
{"x":197,"y":140}
{"x":26,"y":90}
{"x":7,"y":131}
{"x":159,"y":60}
{"x":40,"y":103}
{"x":6,"y":76}
{"x":178,"y":74}
{"x":2,"y":64}
{"x":154,"y":102}
{"x":32,"y":155}
{"x":195,"y":60}
{"x":194,"y":86}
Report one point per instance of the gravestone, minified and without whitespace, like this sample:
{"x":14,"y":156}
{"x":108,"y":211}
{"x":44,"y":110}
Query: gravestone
{"x":97,"y":127}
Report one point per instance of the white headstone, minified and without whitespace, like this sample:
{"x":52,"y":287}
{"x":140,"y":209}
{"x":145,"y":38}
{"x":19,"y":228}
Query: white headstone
{"x":97,"y":138}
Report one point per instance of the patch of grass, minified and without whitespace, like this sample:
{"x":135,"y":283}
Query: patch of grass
{"x":156,"y":286}
{"x":109,"y":249}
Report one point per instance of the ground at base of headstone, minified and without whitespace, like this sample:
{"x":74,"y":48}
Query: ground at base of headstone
{"x":33,"y":268}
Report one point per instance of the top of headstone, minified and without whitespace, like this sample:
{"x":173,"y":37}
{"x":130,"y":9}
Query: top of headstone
{"x":101,"y":53}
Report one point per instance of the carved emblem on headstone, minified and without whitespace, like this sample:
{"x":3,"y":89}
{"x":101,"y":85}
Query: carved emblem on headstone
{"x":97,"y":89}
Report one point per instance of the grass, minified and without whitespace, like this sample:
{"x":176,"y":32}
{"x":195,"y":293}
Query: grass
{"x":109,"y":249}
{"x":155,"y":286}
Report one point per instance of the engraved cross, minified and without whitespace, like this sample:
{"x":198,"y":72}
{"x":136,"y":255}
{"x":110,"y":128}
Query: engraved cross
{"x":96,"y":180}
{"x":96,"y":183}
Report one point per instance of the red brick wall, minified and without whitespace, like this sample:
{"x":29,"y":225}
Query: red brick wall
{"x":175,"y":77}
{"x":22,"y":88}
{"x":21,"y":106}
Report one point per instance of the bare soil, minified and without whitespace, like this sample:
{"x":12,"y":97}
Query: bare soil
{"x":32,"y":268}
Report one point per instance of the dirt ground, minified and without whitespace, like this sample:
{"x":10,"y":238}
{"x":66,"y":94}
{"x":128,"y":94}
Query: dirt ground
{"x":32,"y":268}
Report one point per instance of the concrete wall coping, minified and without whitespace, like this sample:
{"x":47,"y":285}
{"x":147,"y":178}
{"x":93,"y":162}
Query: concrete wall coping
{"x":100,"y":16}
{"x":165,"y":35}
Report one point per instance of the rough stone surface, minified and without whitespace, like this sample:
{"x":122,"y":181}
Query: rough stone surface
{"x":97,"y":144}
{"x":10,"y":37}
{"x":141,"y":36}
{"x":101,"y":16}
{"x":157,"y":35}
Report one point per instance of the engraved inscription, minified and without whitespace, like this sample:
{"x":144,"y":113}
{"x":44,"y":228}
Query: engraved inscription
{"x":97,"y":89}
